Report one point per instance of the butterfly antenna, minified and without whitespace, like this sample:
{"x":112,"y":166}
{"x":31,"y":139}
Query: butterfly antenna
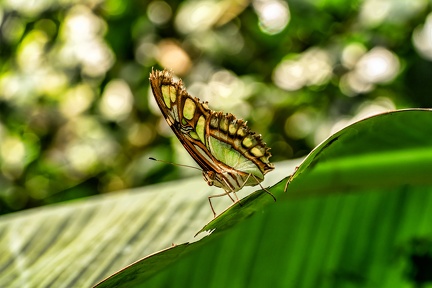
{"x":175,"y":164}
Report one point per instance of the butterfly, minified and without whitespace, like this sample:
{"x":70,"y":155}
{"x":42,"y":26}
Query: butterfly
{"x":229,"y":154}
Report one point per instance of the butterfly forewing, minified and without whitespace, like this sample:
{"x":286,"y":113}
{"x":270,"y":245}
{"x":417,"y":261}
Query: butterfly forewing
{"x":174,"y":102}
{"x":223,"y":146}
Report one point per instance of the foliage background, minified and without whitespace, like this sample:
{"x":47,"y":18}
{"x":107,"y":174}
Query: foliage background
{"x":77,"y":117}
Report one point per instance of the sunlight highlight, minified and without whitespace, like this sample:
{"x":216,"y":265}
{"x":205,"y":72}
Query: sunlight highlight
{"x":313,"y":67}
{"x":378,"y":66}
{"x":117,"y":100}
{"x":422,"y":38}
{"x":196,"y":16}
{"x":274,"y":15}
{"x":82,"y":34}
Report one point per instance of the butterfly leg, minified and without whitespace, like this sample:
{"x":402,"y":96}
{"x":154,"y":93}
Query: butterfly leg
{"x":268,"y":192}
{"x":219,"y":195}
{"x":290,"y":179}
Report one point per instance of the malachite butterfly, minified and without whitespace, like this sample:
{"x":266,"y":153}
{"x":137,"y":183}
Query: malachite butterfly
{"x":230,"y":155}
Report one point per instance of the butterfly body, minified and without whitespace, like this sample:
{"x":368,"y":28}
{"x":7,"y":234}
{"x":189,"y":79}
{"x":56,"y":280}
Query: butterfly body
{"x":230,"y":155}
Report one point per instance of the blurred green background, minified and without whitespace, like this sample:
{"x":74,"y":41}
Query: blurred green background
{"x":76,"y":113}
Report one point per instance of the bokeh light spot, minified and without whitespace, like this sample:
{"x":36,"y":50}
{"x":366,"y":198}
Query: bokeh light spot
{"x":146,"y":52}
{"x":223,"y":85}
{"x":12,"y":150}
{"x":140,"y":134}
{"x":196,"y":16}
{"x":313,"y":67}
{"x":289,"y":75}
{"x":82,"y":33}
{"x":12,"y":156}
{"x":376,"y":12}
{"x":171,"y":55}
{"x":373,"y":12}
{"x":422,"y":38}
{"x":31,"y":51}
{"x":351,"y":54}
{"x":28,"y":8}
{"x":274,"y":15}
{"x":159,"y":12}
{"x":81,"y":157}
{"x":300,"y":124}
{"x":47,"y":26}
{"x":13,"y":29}
{"x":76,"y":100}
{"x":117,"y":100}
{"x":114,"y":7}
{"x":38,"y":187}
{"x":378,"y":66}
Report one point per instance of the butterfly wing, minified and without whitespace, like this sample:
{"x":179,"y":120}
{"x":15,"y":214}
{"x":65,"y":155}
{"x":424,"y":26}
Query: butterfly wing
{"x":185,"y":115}
{"x":218,"y":142}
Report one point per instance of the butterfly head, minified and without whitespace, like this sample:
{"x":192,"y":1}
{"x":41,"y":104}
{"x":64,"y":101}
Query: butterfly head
{"x":211,"y":178}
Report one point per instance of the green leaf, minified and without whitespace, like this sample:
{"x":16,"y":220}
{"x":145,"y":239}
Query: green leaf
{"x":342,"y":231}
{"x":387,"y":150}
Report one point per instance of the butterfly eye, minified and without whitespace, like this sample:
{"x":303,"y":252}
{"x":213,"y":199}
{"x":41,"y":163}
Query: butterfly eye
{"x":209,"y":177}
